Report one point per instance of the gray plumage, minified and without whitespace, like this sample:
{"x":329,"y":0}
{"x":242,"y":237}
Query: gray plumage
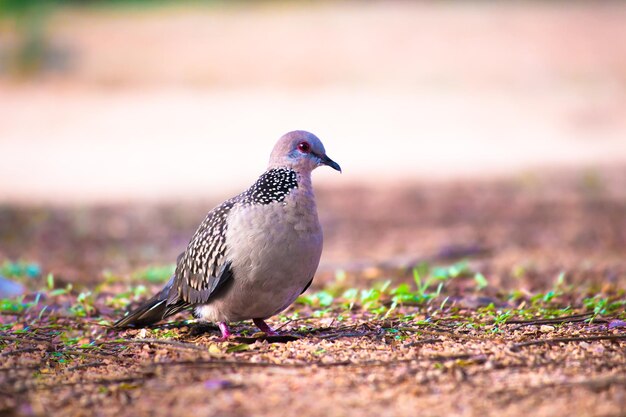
{"x":253,"y":254}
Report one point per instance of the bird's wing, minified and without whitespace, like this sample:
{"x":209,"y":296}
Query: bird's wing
{"x":202,"y":268}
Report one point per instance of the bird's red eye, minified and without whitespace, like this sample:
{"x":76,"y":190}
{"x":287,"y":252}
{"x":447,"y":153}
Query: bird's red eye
{"x":304,"y":147}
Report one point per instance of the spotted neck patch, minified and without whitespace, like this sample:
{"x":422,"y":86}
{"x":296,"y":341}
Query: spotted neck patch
{"x":273,"y":186}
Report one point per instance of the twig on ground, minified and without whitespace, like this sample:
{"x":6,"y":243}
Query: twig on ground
{"x":270,"y":339}
{"x":424,"y":342}
{"x":85,"y":365}
{"x":334,"y":336}
{"x":478,"y":358}
{"x":171,"y":343}
{"x":449,"y":332}
{"x":285,"y":324}
{"x":574,"y":318}
{"x":31,"y":341}
{"x":18,"y":351}
{"x":516,"y":346}
{"x":94,"y":355}
{"x":562,"y":319}
{"x":11,"y":313}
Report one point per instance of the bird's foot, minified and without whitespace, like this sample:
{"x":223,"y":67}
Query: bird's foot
{"x":225,"y":331}
{"x":262,"y":325}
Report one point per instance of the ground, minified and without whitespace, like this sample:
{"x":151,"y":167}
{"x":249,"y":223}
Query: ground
{"x":478,"y":298}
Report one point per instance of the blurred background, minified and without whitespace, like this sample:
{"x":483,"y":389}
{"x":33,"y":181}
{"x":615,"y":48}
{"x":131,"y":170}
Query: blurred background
{"x":106,"y":106}
{"x":118,"y":100}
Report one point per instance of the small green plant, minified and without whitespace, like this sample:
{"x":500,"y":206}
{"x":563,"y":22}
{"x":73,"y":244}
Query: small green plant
{"x":382,"y":298}
{"x":601,"y":306}
{"x":122,"y":300}
{"x":20,"y":269}
{"x":155,"y":274}
{"x":500,"y":319}
{"x":481,"y":281}
{"x":318,"y":299}
{"x":14,"y":305}
{"x":84,"y":305}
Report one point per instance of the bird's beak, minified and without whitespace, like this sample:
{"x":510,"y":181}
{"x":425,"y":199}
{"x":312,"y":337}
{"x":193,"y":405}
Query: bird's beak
{"x":327,"y":161}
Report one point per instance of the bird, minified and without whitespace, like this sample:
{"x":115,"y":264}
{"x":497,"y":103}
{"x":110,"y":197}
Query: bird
{"x":255,"y":253}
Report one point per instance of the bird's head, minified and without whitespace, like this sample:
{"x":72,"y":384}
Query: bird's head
{"x":301,"y":151}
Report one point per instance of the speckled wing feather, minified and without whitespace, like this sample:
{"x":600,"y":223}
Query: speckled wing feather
{"x":200,"y":271}
{"x":202,"y":268}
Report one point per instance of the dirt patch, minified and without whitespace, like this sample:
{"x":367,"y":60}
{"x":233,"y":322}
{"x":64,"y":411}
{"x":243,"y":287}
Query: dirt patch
{"x":363,"y":366}
{"x":517,"y":309}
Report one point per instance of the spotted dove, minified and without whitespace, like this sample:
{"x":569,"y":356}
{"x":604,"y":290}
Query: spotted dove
{"x":255,"y":253}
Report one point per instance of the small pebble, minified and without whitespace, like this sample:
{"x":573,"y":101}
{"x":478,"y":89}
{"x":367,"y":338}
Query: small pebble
{"x":546,"y":329}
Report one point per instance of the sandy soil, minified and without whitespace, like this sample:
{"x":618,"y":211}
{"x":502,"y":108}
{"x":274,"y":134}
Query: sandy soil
{"x":520,"y":234}
{"x":150,"y":117}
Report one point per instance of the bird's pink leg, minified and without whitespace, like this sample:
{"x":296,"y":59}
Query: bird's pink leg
{"x":224,"y":329}
{"x":262,"y":325}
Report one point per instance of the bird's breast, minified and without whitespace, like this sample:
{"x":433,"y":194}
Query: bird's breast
{"x":261,"y":238}
{"x":275,"y":250}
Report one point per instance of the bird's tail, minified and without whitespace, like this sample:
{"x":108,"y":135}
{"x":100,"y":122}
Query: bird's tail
{"x":150,"y":312}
